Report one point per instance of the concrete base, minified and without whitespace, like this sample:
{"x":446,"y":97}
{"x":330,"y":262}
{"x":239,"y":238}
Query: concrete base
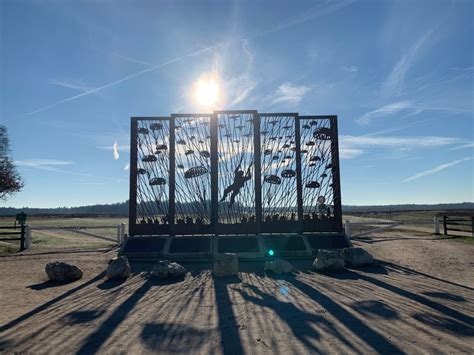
{"x":245,"y":246}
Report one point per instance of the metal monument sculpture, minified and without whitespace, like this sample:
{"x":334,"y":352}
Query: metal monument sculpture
{"x":234,"y":172}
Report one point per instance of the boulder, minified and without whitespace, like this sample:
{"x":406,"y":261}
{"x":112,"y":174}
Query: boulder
{"x":61,"y":271}
{"x":328,"y":260}
{"x":226,"y":265}
{"x":168,"y":270}
{"x":118,"y":269}
{"x":278,"y":266}
{"x":357,"y":256}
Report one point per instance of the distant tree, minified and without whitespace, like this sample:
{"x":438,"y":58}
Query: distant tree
{"x":10,"y":180}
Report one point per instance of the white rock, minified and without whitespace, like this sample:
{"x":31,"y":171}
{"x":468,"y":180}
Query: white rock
{"x":168,"y":270}
{"x":118,"y":269}
{"x":357,"y":256}
{"x":328,"y":260}
{"x":226,"y":265}
{"x":278,"y":266}
{"x":62,"y":271}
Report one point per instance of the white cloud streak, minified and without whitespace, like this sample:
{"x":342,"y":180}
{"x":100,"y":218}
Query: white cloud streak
{"x":396,"y":78}
{"x":437,"y":169}
{"x":70,"y":85}
{"x":37,"y":163}
{"x":131,"y":59}
{"x":126,"y":167}
{"x":289,"y":94}
{"x":116,"y":151}
{"x":464,"y":146}
{"x":389,"y":109}
{"x":388,"y":141}
{"x":351,"y":69}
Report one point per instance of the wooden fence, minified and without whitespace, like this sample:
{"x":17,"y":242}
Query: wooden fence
{"x":18,"y":235}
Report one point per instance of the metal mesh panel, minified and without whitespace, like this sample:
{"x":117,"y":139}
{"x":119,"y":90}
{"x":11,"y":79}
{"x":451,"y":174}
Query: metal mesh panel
{"x":236,"y":177}
{"x":152,"y":171}
{"x":317,"y":169}
{"x":192,"y":169}
{"x":278,"y":161}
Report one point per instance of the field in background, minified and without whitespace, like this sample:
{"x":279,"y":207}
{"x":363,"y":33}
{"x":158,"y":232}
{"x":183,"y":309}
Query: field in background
{"x":88,"y":232}
{"x":85,"y":232}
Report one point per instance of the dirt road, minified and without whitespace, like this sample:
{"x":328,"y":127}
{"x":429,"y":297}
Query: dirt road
{"x":418,"y":299}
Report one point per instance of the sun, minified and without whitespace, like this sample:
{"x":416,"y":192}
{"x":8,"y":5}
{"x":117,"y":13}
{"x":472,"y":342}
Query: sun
{"x":206,"y":90}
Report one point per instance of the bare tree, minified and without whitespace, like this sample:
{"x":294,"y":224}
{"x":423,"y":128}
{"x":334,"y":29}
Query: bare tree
{"x":10,"y":180}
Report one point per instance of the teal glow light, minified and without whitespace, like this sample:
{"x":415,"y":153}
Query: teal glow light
{"x":271,"y":252}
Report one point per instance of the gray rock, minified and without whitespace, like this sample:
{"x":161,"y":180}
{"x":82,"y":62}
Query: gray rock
{"x":168,"y":270}
{"x":328,"y":260}
{"x":61,"y":271}
{"x":357,"y":256}
{"x":226,"y":265}
{"x":278,"y":266}
{"x":118,"y":269}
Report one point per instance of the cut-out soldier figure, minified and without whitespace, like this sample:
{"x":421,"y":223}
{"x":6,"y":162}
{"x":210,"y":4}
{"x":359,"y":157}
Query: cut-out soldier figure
{"x":239,"y":181}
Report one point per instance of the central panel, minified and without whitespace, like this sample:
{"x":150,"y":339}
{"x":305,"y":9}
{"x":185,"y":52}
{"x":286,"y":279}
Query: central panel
{"x":280,"y":161}
{"x":236,"y":190}
{"x":192,"y":171}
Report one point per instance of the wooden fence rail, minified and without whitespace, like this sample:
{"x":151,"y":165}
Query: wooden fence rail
{"x":21,"y":233}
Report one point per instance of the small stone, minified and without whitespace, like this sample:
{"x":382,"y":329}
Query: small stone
{"x":328,"y":260}
{"x":118,"y":269}
{"x":168,"y":270}
{"x":278,"y":266}
{"x":226,"y":265}
{"x":357,"y":256}
{"x":61,"y":271}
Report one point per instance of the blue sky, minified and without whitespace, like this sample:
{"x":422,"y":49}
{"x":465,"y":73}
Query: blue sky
{"x":399,"y":75}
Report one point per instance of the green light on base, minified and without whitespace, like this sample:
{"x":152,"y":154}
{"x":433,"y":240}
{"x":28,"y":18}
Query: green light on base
{"x":271,"y":252}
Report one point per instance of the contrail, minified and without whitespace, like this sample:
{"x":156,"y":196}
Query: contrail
{"x":158,"y":66}
{"x":131,"y":59}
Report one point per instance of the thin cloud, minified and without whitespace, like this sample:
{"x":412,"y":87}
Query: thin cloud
{"x":351,"y":68}
{"x":131,"y":59}
{"x":390,"y":141}
{"x":116,"y":152}
{"x":463,"y":146}
{"x":396,"y":78}
{"x":35,"y":163}
{"x":70,"y":85}
{"x":241,"y":88}
{"x":289,"y":93}
{"x":55,"y":166}
{"x":322,"y":9}
{"x":386,"y":110}
{"x":437,"y":169}
{"x":349,"y":153}
{"x":126,"y":167}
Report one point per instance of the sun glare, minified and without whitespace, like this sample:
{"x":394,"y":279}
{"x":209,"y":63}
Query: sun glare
{"x":206,"y":90}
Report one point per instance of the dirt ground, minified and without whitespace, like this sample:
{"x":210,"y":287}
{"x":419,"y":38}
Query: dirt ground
{"x":418,"y":299}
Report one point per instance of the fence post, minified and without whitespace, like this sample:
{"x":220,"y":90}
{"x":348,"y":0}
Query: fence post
{"x":347,"y":228}
{"x":22,"y":240}
{"x":436,"y":225}
{"x":122,"y":233}
{"x":27,"y":237}
{"x":444,"y":226}
{"x":119,"y":233}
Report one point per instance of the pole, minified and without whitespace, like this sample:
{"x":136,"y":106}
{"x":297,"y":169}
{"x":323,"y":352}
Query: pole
{"x":436,"y":225}
{"x":22,"y":240}
{"x":444,"y":226}
{"x":27,"y":237}
{"x":347,"y":228}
